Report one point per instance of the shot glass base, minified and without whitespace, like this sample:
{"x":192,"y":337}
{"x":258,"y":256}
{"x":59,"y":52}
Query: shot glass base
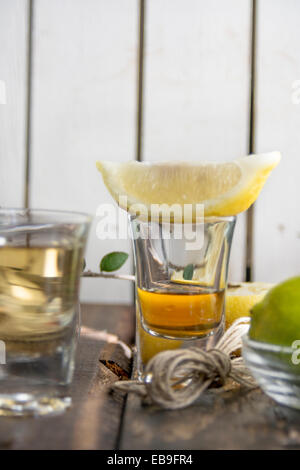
{"x":148,"y":345}
{"x":25,"y":404}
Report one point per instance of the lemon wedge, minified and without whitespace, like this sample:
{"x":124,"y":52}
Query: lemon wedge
{"x":241,"y":297}
{"x":223,"y":188}
{"x":151,"y":345}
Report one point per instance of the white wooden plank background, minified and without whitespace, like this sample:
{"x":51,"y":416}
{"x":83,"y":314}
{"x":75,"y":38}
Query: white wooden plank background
{"x":277,"y":215}
{"x":84,"y":82}
{"x":196,"y":107}
{"x":197,"y":87}
{"x":13,"y":61}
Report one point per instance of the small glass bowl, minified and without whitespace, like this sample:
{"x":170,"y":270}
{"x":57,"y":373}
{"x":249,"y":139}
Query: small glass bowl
{"x":274,"y":370}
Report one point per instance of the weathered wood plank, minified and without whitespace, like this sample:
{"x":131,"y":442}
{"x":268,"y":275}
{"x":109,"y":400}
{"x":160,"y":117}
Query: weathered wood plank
{"x":93,"y":421}
{"x":236,"y":420}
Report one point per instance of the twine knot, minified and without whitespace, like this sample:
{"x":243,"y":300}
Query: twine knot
{"x":175,"y":379}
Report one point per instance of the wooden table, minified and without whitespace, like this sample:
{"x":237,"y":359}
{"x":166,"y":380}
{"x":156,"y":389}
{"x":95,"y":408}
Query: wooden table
{"x":101,"y":420}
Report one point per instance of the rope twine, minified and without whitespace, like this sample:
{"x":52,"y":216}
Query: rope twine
{"x":175,"y":379}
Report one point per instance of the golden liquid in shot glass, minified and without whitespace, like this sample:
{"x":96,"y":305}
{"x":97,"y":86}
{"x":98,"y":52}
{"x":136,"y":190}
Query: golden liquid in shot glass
{"x":181,"y":312}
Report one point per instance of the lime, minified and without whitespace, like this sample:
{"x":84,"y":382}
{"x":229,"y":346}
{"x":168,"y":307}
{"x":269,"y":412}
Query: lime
{"x":276,"y":319}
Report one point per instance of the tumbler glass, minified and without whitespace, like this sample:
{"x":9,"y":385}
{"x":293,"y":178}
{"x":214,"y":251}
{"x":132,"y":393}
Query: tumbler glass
{"x":181,"y":278}
{"x":41,"y":254}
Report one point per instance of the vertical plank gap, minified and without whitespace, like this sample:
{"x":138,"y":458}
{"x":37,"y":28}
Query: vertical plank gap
{"x":28,"y":106}
{"x":140,"y":82}
{"x":251,"y":143}
{"x":140,"y":94}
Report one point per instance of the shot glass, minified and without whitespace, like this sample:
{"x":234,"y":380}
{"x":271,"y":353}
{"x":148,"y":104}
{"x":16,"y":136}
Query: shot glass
{"x":41,"y":254}
{"x":181,"y":278}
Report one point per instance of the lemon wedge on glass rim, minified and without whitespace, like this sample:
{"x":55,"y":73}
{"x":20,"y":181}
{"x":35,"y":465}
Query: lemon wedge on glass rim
{"x":224,"y":189}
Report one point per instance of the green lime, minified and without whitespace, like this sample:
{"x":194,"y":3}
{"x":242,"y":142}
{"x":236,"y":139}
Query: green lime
{"x":276,"y":319}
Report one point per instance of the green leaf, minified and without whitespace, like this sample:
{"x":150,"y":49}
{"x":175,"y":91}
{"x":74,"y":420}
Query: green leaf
{"x":188,"y":272}
{"x":83,"y":264}
{"x":113,"y":261}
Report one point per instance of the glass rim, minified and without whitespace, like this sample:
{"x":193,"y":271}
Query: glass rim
{"x":79,"y":217}
{"x":205,"y":219}
{"x":263,"y":346}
